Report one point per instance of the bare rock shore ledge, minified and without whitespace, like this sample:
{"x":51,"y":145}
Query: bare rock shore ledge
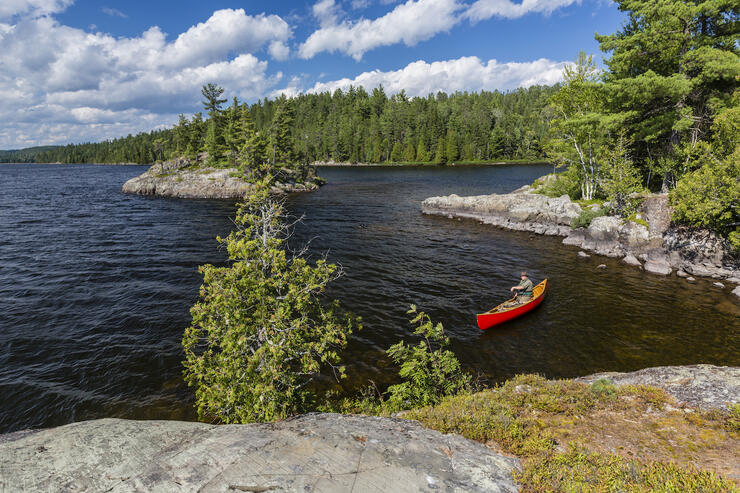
{"x":309,"y":453}
{"x":183,"y":178}
{"x":660,"y":248}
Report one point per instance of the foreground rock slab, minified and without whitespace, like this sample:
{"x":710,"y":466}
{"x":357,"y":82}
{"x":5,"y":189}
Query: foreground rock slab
{"x":700,"y":386}
{"x":310,"y":453}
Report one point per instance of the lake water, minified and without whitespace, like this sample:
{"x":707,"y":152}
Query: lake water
{"x":95,"y":288}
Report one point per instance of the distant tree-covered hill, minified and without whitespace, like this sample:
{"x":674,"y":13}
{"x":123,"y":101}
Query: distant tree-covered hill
{"x":355,"y":126}
{"x":27,"y":155}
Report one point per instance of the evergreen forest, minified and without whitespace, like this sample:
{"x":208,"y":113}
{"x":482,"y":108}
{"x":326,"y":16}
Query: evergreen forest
{"x":345,"y":126}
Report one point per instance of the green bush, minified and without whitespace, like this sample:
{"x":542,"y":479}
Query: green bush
{"x":710,"y":197}
{"x":603,"y":387}
{"x":429,"y":371}
{"x":588,"y":215}
{"x":557,"y":185}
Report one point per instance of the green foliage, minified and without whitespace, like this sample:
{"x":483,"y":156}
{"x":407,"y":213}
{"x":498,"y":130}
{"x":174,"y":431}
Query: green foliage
{"x":261,"y":331}
{"x":621,"y":180}
{"x":580,"y":129}
{"x":396,"y":153}
{"x":672,"y":66}
{"x":451,"y":152}
{"x":581,"y":470}
{"x":603,"y":387}
{"x":429,"y":371}
{"x":351,"y":125}
{"x":440,"y":156}
{"x":27,"y":155}
{"x":557,"y":185}
{"x":710,"y":196}
{"x":422,"y":155}
{"x":587,"y":215}
{"x":281,"y":139}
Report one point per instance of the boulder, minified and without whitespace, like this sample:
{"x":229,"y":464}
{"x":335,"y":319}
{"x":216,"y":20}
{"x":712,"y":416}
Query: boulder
{"x":314,"y":452}
{"x":699,"y":386}
{"x":631,"y":260}
{"x":718,"y":285}
{"x":736,"y":291}
{"x":583,"y":254}
{"x":601,"y":266}
{"x":681,"y":273}
{"x":660,"y":267}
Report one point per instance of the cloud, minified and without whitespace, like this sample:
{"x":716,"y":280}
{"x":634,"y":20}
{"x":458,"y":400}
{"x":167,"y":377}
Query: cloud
{"x":326,"y":12}
{"x":10,"y":8}
{"x":410,"y":23}
{"x":485,"y":9}
{"x":113,"y":12}
{"x":99,"y":86}
{"x":463,"y":74}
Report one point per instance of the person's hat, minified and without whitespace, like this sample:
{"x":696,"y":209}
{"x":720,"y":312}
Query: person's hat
{"x":524,"y":274}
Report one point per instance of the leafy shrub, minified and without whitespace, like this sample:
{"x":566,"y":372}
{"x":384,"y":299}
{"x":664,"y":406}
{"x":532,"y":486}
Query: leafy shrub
{"x":588,"y":215}
{"x":620,"y":180}
{"x":710,"y":197}
{"x":557,"y":185}
{"x":603,"y":387}
{"x":429,"y":371}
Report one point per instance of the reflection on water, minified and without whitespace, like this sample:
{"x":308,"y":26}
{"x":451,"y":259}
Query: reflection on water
{"x":95,"y":288}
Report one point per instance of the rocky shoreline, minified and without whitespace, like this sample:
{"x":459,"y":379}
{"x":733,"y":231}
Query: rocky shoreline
{"x":312,"y":452}
{"x":653,"y":244}
{"x":183,"y":178}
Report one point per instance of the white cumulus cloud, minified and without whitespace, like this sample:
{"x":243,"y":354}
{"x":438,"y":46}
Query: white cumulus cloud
{"x":94,"y":85}
{"x":409,"y":23}
{"x":10,"y":8}
{"x":485,"y":9}
{"x":463,"y":74}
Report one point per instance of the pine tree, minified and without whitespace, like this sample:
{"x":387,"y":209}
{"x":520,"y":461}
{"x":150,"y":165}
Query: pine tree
{"x":672,"y":66}
{"x":397,"y":152}
{"x":440,"y":156}
{"x":281,"y":139}
{"x":409,"y":154}
{"x":451,"y":152}
{"x":422,"y":155}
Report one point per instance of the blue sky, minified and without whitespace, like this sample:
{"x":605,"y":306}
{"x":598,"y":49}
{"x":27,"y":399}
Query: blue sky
{"x":83,"y":70}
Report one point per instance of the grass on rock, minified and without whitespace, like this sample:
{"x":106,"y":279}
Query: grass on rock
{"x":577,"y":437}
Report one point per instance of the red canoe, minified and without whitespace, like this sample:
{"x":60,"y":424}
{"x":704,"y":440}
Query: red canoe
{"x":503,"y":313}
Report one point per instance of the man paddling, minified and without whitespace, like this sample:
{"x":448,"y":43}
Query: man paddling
{"x":523,"y":289}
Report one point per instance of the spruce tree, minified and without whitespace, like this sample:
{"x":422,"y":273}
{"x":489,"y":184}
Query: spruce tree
{"x":451,"y":152}
{"x":440,"y":156}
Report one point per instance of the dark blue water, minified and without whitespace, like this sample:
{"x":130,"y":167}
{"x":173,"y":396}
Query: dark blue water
{"x":95,"y":288}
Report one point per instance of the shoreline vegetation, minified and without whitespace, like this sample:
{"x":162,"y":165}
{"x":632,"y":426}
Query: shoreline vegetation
{"x":329,"y":164}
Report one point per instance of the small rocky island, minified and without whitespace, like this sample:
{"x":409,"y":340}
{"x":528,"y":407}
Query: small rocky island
{"x":650,"y":242}
{"x":192,"y":179}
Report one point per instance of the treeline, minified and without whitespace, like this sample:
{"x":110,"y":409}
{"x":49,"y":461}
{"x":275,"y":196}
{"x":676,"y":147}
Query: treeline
{"x":27,"y":155}
{"x":344,"y":126}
